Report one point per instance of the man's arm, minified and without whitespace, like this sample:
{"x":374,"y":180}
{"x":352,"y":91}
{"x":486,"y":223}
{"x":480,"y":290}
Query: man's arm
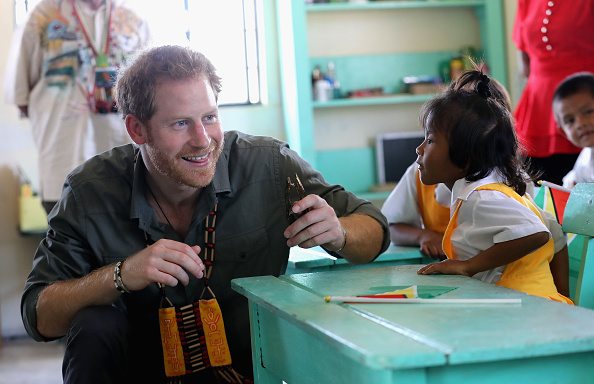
{"x":360,"y":241}
{"x":58,"y":303}
{"x":164,"y":262}
{"x":364,"y":237}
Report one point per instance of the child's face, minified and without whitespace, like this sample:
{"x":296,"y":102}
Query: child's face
{"x":434,"y":161}
{"x":575,"y":115}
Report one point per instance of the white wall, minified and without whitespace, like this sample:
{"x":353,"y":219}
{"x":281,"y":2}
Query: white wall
{"x":17,"y":150}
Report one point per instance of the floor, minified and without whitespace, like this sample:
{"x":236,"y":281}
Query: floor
{"x":25,"y":361}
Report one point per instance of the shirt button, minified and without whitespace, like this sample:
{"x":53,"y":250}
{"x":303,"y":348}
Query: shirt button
{"x":549,"y":47}
{"x":543,"y":29}
{"x":548,"y":12}
{"x":545,"y":39}
{"x":550,"y":3}
{"x":545,"y":20}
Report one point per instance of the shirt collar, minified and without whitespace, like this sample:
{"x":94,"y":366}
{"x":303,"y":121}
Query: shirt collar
{"x":462,"y":188}
{"x":139,"y":206}
{"x":220,"y":181}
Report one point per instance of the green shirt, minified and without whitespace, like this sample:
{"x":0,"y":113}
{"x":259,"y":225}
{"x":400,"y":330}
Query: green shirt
{"x":103,"y":216}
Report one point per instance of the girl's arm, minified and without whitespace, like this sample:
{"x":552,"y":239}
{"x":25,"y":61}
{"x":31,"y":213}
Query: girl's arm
{"x":498,"y":255}
{"x":428,"y":241}
{"x":560,"y":271}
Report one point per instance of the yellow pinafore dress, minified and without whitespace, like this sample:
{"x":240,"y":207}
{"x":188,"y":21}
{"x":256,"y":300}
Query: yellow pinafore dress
{"x":530,"y":274}
{"x":435,"y":216}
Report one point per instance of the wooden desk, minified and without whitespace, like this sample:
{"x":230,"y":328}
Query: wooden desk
{"x":316,"y":259}
{"x":298,"y":338}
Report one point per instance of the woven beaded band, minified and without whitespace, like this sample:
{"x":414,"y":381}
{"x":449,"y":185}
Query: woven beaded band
{"x":117,"y":278}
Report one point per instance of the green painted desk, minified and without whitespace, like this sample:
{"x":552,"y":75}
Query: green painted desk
{"x":316,"y":259}
{"x":298,"y":338}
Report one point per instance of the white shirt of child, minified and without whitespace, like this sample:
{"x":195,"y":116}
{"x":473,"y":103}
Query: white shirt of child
{"x":583,"y":170}
{"x":486,"y":218}
{"x":402,"y":205}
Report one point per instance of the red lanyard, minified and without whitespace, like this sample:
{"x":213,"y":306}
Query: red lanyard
{"x":100,"y":55}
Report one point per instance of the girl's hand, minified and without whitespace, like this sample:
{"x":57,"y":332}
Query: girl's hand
{"x":430,"y":244}
{"x":446,"y":267}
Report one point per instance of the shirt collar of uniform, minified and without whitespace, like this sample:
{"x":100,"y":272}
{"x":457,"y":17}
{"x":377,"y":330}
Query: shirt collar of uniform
{"x":462,"y":188}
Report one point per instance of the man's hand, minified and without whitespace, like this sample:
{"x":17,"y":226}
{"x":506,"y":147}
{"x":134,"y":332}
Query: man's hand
{"x":318,"y":226}
{"x":166,"y":261}
{"x":446,"y":267}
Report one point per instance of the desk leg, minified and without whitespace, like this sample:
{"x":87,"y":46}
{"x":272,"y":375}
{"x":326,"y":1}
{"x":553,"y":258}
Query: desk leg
{"x":261,"y":374}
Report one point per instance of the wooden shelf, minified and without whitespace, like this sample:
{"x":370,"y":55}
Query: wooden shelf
{"x":370,"y":101}
{"x":383,"y":5}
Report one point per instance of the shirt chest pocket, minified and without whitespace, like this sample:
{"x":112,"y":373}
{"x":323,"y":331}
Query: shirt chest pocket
{"x":240,"y":255}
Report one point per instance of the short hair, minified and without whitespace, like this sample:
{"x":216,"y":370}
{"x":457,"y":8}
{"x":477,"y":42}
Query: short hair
{"x":575,"y":83}
{"x":136,"y":81}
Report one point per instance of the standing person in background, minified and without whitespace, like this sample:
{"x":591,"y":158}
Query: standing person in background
{"x":546,"y":33}
{"x":62,"y":76}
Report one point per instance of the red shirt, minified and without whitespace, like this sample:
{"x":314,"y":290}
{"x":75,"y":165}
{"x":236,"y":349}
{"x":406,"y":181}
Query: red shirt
{"x":558,"y":36}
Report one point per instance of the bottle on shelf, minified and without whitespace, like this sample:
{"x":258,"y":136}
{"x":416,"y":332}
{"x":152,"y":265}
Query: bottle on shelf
{"x":456,"y":67}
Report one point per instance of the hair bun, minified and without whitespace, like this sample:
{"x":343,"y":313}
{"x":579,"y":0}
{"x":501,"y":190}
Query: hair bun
{"x":482,"y":86}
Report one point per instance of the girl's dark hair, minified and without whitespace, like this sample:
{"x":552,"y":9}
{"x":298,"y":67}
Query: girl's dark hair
{"x":474,"y":114}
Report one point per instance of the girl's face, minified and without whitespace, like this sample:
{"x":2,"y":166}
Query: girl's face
{"x":434,"y":161}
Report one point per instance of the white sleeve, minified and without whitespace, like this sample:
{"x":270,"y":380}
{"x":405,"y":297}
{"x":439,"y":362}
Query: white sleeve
{"x":402,"y":206}
{"x":24,"y":64}
{"x":569,"y":179}
{"x":584,"y":167}
{"x":490,"y":217}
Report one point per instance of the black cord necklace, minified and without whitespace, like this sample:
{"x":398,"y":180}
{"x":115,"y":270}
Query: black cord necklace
{"x":160,"y":208}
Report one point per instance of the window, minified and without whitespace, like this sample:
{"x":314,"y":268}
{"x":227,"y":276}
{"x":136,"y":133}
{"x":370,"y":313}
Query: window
{"x":226,"y":31}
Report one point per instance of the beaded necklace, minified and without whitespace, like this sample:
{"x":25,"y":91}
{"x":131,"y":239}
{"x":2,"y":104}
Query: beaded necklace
{"x":193,"y":336}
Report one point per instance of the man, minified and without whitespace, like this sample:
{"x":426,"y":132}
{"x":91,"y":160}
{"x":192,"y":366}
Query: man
{"x":62,"y":74}
{"x":151,"y":205}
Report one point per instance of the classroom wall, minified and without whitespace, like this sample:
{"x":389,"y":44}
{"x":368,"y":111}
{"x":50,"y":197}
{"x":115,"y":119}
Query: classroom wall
{"x":17,"y":150}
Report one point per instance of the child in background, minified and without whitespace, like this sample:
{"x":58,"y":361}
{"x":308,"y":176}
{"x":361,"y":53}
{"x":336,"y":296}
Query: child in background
{"x":573,"y":107}
{"x":496,"y":233}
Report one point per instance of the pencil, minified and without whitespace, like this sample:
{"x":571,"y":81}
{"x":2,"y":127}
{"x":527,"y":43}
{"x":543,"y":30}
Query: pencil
{"x":554,"y":186}
{"x":370,"y":300}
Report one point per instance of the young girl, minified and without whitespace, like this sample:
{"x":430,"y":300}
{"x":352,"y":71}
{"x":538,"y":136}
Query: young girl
{"x":419,"y":214}
{"x":496,"y":233}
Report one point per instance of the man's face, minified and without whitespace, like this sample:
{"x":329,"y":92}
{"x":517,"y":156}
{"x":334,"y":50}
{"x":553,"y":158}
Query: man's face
{"x":575,"y":115}
{"x":184,"y":136}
